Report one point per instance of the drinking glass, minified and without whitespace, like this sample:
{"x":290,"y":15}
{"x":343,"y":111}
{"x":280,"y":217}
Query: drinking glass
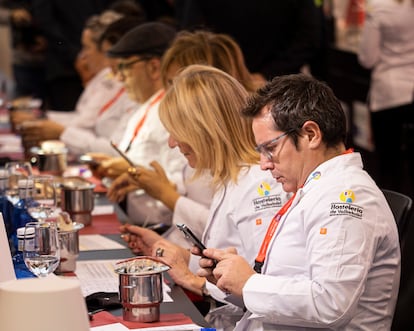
{"x":43,"y":200}
{"x":41,"y":248}
{"x":16,"y":170}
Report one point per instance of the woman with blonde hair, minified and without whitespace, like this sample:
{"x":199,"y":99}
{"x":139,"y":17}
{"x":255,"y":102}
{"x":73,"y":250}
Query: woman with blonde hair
{"x":201,"y":112}
{"x":199,"y":47}
{"x":203,"y":47}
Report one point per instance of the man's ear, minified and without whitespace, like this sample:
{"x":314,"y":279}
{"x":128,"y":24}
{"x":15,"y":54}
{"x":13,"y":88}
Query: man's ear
{"x":313,"y":134}
{"x":154,"y":68}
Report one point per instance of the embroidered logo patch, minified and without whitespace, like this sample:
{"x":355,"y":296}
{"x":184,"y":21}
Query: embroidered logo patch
{"x":264,"y":189}
{"x":347,"y":196}
{"x":266,"y":200}
{"x":347,"y":207}
{"x":316,"y":175}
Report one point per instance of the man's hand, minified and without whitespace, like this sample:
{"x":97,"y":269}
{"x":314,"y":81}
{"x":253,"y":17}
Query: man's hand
{"x":231,"y":272}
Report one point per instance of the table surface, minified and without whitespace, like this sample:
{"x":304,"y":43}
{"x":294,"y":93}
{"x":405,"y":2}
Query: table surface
{"x":106,"y":225}
{"x":181,"y":304}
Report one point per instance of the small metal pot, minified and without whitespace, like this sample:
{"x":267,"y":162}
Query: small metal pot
{"x":77,"y":198}
{"x":140,"y":288}
{"x":53,"y":163}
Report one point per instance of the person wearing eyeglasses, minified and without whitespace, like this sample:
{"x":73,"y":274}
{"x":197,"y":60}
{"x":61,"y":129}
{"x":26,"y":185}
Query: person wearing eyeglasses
{"x":198,"y":47}
{"x":330,"y":259}
{"x":201,"y":111}
{"x":138,"y":54}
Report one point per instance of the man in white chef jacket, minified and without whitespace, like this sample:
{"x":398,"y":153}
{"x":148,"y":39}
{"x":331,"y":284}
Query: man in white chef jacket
{"x":331,"y":260}
{"x":145,"y":139}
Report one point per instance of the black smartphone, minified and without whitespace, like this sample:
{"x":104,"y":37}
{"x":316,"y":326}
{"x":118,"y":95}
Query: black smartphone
{"x":122,"y":154}
{"x":191,"y":236}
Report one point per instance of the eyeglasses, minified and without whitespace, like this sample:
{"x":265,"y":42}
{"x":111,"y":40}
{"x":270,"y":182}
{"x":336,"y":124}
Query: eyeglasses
{"x":268,"y":147}
{"x":124,"y":66}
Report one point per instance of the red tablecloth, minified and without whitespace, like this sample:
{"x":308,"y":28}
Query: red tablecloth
{"x":104,"y":318}
{"x":102,"y":224}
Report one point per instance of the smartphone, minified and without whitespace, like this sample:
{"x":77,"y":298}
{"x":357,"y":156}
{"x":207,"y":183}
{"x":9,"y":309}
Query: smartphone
{"x":191,"y":236}
{"x":123,"y":155}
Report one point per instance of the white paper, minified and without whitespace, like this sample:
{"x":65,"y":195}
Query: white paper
{"x":10,"y":143}
{"x":103,"y":210}
{"x":6,"y":270}
{"x":110,"y":327}
{"x":183,"y":327}
{"x":120,"y":327}
{"x":99,"y":276}
{"x":97,"y":242}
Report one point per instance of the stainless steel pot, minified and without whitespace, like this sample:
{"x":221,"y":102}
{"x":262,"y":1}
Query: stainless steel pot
{"x":53,"y":163}
{"x":77,"y":198}
{"x":140,"y":288}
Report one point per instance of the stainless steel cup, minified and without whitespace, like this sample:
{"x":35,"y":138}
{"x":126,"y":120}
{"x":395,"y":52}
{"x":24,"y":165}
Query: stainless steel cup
{"x":69,"y":248}
{"x":140,"y":289}
{"x":53,"y":163}
{"x":77,"y":198}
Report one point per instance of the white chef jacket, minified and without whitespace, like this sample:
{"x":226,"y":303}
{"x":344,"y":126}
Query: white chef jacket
{"x":98,"y":91}
{"x":192,"y":207}
{"x":109,"y":126}
{"x":240,"y":214}
{"x":334,"y":261}
{"x":151,"y":144}
{"x":387,"y":46}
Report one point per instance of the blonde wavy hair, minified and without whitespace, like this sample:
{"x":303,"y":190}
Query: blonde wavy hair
{"x":202,"y":109}
{"x":208,"y":48}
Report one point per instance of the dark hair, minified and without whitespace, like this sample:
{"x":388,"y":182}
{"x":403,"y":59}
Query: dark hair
{"x":295,"y":99}
{"x":116,"y":30}
{"x":129,"y":8}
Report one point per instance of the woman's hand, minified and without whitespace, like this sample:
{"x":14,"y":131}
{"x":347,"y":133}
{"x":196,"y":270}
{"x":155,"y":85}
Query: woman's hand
{"x":156,"y":183}
{"x":111,"y":168}
{"x":140,"y":240}
{"x":178,"y":258}
{"x":121,"y":186}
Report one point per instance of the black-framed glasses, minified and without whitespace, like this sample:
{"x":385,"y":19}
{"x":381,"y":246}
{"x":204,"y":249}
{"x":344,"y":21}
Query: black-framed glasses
{"x":123,"y":66}
{"x":268,"y":147}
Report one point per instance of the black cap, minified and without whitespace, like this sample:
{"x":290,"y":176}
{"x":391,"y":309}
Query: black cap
{"x":148,"y":38}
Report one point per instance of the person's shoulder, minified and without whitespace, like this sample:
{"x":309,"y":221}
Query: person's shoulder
{"x":254,"y":177}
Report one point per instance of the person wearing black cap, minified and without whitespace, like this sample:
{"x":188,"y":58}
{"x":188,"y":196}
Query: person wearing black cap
{"x":145,"y":139}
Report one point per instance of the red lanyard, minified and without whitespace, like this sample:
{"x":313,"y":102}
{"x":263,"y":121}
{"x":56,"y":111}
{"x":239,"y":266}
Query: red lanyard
{"x":259,"y":261}
{"x":141,"y":122}
{"x":111,"y":102}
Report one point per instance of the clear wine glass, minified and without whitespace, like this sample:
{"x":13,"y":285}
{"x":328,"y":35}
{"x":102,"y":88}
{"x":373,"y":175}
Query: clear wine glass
{"x":43,"y":202}
{"x":16,"y":170}
{"x":41,"y":252}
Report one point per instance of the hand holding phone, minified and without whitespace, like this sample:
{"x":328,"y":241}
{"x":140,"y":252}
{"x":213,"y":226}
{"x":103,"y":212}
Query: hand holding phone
{"x":191,"y":236}
{"x":122,"y":154}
